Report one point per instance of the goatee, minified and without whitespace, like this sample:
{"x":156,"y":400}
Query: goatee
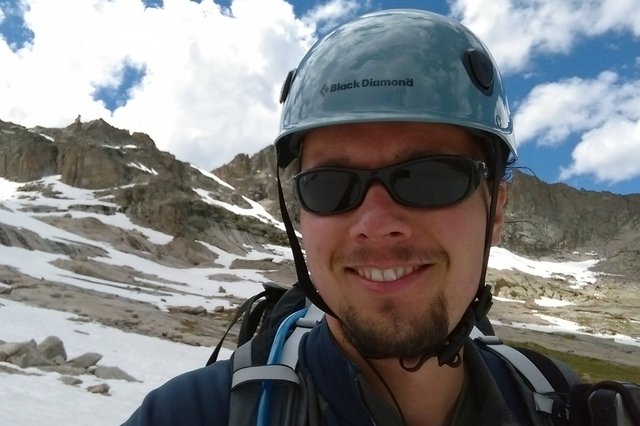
{"x":391,"y":333}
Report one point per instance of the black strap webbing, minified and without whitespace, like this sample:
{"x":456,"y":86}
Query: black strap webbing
{"x":243,"y":309}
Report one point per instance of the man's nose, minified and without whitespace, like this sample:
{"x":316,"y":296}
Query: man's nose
{"x":380,"y":216}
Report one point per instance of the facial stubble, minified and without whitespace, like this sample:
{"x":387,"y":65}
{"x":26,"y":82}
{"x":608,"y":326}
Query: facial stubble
{"x":390,"y":332}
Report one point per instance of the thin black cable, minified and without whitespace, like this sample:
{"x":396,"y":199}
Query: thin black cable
{"x":388,"y":389}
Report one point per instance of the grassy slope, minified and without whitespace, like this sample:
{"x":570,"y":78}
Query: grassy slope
{"x":591,"y":369}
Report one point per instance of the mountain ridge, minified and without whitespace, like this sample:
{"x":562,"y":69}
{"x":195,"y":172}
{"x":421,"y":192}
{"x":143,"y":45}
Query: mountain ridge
{"x":150,"y":185}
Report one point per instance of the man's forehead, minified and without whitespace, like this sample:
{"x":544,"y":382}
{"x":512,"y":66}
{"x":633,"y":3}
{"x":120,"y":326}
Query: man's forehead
{"x":340,"y":144}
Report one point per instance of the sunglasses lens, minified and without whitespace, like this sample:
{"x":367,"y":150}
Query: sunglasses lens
{"x":432,"y":183}
{"x":428,"y":182}
{"x":328,"y":191}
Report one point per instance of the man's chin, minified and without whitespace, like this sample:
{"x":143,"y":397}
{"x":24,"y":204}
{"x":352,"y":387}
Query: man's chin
{"x":393,"y":335}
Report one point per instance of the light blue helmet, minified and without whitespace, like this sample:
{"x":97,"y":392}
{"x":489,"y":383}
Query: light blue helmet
{"x":395,"y":65}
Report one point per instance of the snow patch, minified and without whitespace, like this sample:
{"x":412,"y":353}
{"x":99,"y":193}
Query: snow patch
{"x":579,"y":272}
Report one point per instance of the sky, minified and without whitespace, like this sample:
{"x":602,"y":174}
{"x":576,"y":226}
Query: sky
{"x":27,"y":398}
{"x":202,"y":78}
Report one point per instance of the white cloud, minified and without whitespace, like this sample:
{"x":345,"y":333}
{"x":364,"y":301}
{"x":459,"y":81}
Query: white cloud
{"x":553,"y":111}
{"x":603,"y":112}
{"x":333,"y":12}
{"x":212,"y":81}
{"x":515,"y":30}
{"x":611,"y":153}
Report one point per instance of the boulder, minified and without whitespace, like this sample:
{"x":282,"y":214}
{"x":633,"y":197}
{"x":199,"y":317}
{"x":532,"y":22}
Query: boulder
{"x":86,"y":360}
{"x":189,"y":310}
{"x":53,"y":349}
{"x":70,"y":380}
{"x":9,"y":349}
{"x":28,"y":355}
{"x":101,"y":388}
{"x":116,"y":373}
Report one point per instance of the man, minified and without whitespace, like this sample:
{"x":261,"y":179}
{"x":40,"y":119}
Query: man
{"x":400,"y":128}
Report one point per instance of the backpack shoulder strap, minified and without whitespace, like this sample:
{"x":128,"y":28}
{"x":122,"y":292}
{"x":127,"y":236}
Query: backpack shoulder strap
{"x":557,"y":389}
{"x":538,"y":372}
{"x":249,"y":356}
{"x":248,"y":385}
{"x":290,"y":349}
{"x":254,"y":375}
{"x":245,"y":310}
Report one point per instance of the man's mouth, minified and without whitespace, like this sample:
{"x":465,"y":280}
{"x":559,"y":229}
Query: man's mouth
{"x":385,"y":275}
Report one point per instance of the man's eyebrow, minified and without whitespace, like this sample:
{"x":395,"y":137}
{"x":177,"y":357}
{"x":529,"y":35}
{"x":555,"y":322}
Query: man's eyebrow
{"x":333,"y":160}
{"x":339,"y":160}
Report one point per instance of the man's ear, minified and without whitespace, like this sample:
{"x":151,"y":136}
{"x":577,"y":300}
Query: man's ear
{"x":499,"y":217}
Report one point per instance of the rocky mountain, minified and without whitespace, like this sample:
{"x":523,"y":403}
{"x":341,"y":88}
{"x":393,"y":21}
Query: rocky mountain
{"x":556,"y":219}
{"x":118,"y":230}
{"x":148,"y":185}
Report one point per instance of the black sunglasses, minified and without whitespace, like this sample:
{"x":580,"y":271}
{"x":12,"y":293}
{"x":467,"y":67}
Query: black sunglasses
{"x":433,"y":181}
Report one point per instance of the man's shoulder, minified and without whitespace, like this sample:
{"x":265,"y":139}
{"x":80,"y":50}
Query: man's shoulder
{"x":521,"y":377}
{"x":197,"y":397}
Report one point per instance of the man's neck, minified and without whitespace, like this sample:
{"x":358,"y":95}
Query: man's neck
{"x":426,"y":397}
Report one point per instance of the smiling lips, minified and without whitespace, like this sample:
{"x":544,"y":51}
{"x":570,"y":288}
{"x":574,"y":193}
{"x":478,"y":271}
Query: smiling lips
{"x":385,"y":275}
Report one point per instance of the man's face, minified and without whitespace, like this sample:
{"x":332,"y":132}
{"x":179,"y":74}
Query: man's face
{"x":399,"y":278}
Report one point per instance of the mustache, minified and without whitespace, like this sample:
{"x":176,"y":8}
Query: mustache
{"x":397,"y":253}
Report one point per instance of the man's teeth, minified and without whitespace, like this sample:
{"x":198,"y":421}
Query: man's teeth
{"x":385,"y":275}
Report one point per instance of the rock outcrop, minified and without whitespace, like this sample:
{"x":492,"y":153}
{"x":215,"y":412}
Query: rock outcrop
{"x":554,"y":219}
{"x":50,"y":356}
{"x":150,"y":186}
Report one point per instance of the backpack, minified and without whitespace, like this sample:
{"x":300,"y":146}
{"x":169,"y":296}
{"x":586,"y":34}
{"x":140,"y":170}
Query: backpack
{"x":262,"y":312}
{"x":274,"y":321}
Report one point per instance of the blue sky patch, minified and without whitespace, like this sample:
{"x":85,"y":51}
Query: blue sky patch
{"x":117,"y":95}
{"x":13,"y":29}
{"x":158,"y":4}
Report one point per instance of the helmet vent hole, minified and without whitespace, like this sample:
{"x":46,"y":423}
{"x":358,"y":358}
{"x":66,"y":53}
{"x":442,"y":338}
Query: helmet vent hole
{"x":286,"y":86}
{"x":480,"y":70}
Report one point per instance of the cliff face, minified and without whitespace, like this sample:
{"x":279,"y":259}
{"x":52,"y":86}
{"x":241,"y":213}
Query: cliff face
{"x":86,"y":155}
{"x":255,"y":176}
{"x":544,"y":219}
{"x":25,"y":155}
{"x":149,"y":185}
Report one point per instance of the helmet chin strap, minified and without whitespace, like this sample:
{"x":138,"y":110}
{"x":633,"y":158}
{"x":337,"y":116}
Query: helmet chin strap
{"x":449,"y":354}
{"x":301,"y":266}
